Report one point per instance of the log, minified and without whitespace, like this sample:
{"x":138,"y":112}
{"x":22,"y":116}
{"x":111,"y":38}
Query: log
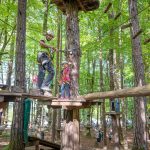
{"x":107,"y":8}
{"x":137,"y":34}
{"x":70,"y":136}
{"x":129,"y":92}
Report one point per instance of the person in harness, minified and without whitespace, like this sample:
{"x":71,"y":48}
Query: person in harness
{"x":44,"y":59}
{"x":65,"y":81}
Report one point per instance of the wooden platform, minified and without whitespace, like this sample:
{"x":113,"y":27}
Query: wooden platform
{"x":11,"y":97}
{"x":80,"y":103}
{"x":83,"y":5}
{"x":66,"y":103}
{"x":112,"y":113}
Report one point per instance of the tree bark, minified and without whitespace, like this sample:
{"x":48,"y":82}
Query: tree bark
{"x":20,"y":46}
{"x":73,"y":44}
{"x":93,"y":74}
{"x":56,"y":112}
{"x":103,"y":104}
{"x":54,"y":116}
{"x":112,"y":87}
{"x":58,"y":64}
{"x":10,"y":64}
{"x":140,"y":141}
{"x":47,"y":4}
{"x":16,"y":141}
{"x":70,"y":136}
{"x":128,"y":92}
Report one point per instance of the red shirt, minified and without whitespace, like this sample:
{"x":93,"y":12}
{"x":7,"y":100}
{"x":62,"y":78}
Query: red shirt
{"x":66,"y":75}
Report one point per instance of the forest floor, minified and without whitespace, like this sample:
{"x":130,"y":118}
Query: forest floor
{"x":87,"y":142}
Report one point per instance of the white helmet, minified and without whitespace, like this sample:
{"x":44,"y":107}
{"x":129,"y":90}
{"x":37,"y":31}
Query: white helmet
{"x":64,"y":62}
{"x":49,"y":32}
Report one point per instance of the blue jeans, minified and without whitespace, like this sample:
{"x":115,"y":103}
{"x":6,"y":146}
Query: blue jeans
{"x":65,"y":90}
{"x":42,"y":70}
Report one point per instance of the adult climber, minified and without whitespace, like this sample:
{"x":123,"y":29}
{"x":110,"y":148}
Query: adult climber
{"x":45,"y":64}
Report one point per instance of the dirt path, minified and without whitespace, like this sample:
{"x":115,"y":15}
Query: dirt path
{"x":87,"y":143}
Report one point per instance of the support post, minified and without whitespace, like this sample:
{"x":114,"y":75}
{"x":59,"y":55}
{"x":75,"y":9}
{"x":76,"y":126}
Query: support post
{"x":70,"y":136}
{"x":104,"y":125}
{"x":115,"y":124}
{"x":37,"y":145}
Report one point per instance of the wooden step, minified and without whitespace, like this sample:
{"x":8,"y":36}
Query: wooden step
{"x":66,"y":103}
{"x":112,"y":113}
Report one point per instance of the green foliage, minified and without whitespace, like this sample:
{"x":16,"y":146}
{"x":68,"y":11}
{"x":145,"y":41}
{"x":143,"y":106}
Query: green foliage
{"x":95,"y":29}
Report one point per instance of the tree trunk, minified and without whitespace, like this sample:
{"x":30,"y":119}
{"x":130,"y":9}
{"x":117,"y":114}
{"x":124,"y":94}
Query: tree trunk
{"x":88,"y":73}
{"x":115,"y":125}
{"x":20,"y":46}
{"x":58,"y":64}
{"x":97,"y":113}
{"x":140,"y":141}
{"x":16,"y":141}
{"x":2,"y":74}
{"x":1,"y":34}
{"x":128,"y":92}
{"x":73,"y":44}
{"x":123,"y":103}
{"x":93,"y":74}
{"x":47,"y":4}
{"x":10,"y":64}
{"x":112,"y":87}
{"x":70,"y":136}
{"x":112,"y":103}
{"x":103,"y":104}
{"x":55,"y":115}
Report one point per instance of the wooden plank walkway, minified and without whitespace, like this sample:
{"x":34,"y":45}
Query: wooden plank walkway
{"x":6,"y":96}
{"x":10,"y":96}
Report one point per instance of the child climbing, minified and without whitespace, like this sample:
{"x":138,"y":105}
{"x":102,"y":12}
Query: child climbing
{"x":34,"y":81}
{"x":65,"y":81}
